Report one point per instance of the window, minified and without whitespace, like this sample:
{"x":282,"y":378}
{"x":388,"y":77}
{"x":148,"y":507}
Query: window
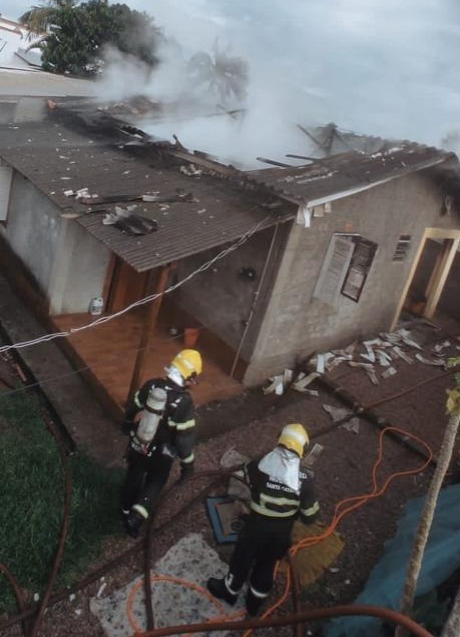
{"x":345,"y":269}
{"x":359,"y":267}
{"x":402,"y":247}
{"x":5,"y":186}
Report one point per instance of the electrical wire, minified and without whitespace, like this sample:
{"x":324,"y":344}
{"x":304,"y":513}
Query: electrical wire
{"x":347,"y":505}
{"x":308,"y":615}
{"x":107,"y":359}
{"x":104,"y":319}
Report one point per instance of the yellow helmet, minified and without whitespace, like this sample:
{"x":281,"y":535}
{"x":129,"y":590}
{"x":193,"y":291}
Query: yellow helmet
{"x":188,"y":363}
{"x":294,"y":437}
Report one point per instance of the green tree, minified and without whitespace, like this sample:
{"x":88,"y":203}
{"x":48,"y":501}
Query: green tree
{"x":222,"y":74}
{"x":41,"y":16}
{"x":77,"y":34}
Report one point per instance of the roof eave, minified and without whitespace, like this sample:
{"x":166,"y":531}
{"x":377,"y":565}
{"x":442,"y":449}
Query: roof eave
{"x":311,"y":203}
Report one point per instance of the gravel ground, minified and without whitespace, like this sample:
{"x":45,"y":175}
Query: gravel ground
{"x":344,"y":469}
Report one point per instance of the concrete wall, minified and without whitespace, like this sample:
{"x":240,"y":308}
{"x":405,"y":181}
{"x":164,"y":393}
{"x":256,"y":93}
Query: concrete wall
{"x":67,"y":263}
{"x":296,"y":324}
{"x":32,"y":229}
{"x":79,"y":270}
{"x":222,"y":299}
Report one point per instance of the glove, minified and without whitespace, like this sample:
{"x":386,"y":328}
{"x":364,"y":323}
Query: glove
{"x":127,"y":426}
{"x":186,"y":471}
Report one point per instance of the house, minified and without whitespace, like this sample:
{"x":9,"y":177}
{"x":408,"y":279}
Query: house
{"x":23,"y":84}
{"x":15,"y":43}
{"x":268,"y":265}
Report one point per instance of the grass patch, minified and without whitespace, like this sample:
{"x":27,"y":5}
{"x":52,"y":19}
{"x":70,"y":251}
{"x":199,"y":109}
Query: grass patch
{"x":31,"y":497}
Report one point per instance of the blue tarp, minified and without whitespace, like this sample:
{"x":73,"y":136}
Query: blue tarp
{"x":385,"y":584}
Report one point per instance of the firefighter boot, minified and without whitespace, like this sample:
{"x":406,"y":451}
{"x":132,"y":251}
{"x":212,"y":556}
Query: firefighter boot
{"x":133,"y":523}
{"x":254,"y":601}
{"x":220,"y":589}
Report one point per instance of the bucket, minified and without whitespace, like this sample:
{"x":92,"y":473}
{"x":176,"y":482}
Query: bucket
{"x":96,"y":305}
{"x":191,"y":336}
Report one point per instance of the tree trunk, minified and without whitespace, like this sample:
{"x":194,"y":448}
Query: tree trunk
{"x":426,"y":519}
{"x":452,"y":625}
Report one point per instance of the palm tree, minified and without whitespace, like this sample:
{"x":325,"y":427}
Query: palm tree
{"x":222,"y":74}
{"x":426,"y":518}
{"x":40,"y":17}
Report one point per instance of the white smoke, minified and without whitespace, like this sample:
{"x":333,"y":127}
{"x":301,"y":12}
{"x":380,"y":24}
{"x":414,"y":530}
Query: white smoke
{"x":379,"y":67}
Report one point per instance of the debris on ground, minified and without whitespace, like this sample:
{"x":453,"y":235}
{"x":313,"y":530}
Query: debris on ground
{"x":278,"y":384}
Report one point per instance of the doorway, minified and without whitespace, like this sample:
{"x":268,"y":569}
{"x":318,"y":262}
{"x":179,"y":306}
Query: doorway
{"x":429,"y":272}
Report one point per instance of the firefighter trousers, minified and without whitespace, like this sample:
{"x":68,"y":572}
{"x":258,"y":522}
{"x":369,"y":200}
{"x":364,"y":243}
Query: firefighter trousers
{"x":145,"y":478}
{"x":260,"y":545}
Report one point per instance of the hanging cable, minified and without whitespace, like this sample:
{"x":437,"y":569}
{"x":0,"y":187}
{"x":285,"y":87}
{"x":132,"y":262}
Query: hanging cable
{"x":104,"y":319}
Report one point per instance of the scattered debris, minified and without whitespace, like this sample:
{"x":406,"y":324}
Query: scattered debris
{"x":436,"y":362}
{"x":279,"y":383}
{"x":372,"y":375}
{"x":352,"y":425}
{"x":101,"y":589}
{"x":440,"y":346}
{"x":336,"y":413}
{"x":232,"y":458}
{"x":391,"y":371}
{"x":178,"y":196}
{"x":303,"y":380}
{"x":400,"y":354}
{"x":313,"y":455}
{"x":125,"y":220}
{"x":191,"y":170}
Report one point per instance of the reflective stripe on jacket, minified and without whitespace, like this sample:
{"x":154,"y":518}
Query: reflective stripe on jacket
{"x":275,"y":500}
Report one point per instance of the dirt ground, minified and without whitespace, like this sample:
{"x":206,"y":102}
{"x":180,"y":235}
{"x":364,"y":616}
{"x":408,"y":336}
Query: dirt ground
{"x":250,"y":425}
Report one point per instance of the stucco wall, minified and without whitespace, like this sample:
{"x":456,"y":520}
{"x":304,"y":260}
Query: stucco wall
{"x":32,"y":229}
{"x":68,"y":264}
{"x":296,"y":324}
{"x":79,"y":270}
{"x":221,"y":298}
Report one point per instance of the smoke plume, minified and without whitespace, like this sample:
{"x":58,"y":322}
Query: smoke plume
{"x":380,"y":67}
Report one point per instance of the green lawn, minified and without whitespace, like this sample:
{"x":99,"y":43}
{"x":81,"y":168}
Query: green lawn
{"x":31,"y":501}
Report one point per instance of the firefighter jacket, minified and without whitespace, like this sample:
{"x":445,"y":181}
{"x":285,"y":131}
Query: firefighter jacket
{"x":274,"y":500}
{"x":175,"y":435}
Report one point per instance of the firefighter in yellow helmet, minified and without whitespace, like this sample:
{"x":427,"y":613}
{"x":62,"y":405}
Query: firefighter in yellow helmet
{"x":280,"y":492}
{"x":165,"y":431}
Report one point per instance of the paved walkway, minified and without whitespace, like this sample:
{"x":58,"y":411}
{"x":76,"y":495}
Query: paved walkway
{"x":80,"y":413}
{"x":88,"y":425}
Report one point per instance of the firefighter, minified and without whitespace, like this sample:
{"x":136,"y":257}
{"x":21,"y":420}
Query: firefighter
{"x":166,"y":430}
{"x":280,"y":492}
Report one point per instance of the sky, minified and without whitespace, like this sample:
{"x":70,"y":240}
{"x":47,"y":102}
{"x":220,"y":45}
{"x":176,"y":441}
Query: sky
{"x":382,"y":67}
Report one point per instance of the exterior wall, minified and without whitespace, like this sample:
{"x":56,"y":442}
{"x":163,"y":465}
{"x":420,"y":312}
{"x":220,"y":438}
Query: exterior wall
{"x":296,"y":324}
{"x":79,"y":270}
{"x":221,"y":299}
{"x":32,"y":229}
{"x":67,"y":264}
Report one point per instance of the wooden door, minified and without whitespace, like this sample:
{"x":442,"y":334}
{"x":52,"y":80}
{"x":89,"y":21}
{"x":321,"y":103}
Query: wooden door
{"x":126,"y":286}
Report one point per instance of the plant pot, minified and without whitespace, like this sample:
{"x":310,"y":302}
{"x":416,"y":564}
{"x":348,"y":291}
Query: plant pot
{"x":191,"y":337}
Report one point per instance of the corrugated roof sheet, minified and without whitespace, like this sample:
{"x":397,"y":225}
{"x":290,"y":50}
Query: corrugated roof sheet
{"x":347,"y":172}
{"x":56,"y":159}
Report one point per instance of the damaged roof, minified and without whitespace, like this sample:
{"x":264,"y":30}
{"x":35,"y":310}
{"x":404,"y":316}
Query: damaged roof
{"x":344,"y":174}
{"x":56,"y":159}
